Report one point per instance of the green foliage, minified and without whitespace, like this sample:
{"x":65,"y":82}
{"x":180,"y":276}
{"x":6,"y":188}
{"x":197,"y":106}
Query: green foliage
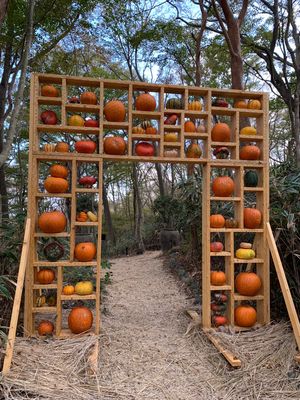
{"x":166,"y":208}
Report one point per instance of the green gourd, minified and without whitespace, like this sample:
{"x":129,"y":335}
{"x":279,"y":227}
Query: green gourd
{"x":174,"y":104}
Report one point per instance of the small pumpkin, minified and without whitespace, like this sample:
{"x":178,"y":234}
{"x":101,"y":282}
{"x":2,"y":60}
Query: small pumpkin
{"x":195,"y":105}
{"x":145,"y":102}
{"x":245,"y":245}
{"x":245,"y":254}
{"x":231,"y":223}
{"x":216,"y":247}
{"x":88,"y":98}
{"x":52,"y":222}
{"x":49,"y":117}
{"x":115,"y":145}
{"x":189,"y":126}
{"x":252,"y":218}
{"x":85,"y":251}
{"x":220,"y":320}
{"x":171,"y":137}
{"x":245,"y":316}
{"x":138,"y":130}
{"x":219,"y":102}
{"x":49,"y":91}
{"x":250,"y":152}
{"x":45,"y":328}
{"x":220,"y":132}
{"x":217,"y":221}
{"x":56,"y":185}
{"x":248,"y":130}
{"x":62,"y":147}
{"x":115,"y":111}
{"x":80,"y":319}
{"x":45,"y":276}
{"x":87,"y":181}
{"x":82,"y":217}
{"x":151,"y":130}
{"x":58,"y":171}
{"x":174,"y":104}
{"x":145,"y":149}
{"x":171,"y":153}
{"x":171,"y":120}
{"x":223,"y":186}
{"x":247,"y":283}
{"x":254,"y":105}
{"x":240,"y":104}
{"x":68,"y":290}
{"x":91,"y":123}
{"x":85,"y":146}
{"x":217,"y":278}
{"x":76,"y":120}
{"x":251,"y":178}
{"x":51,"y":301}
{"x":84,"y":288}
{"x":193,"y":151}
{"x":49,"y":147}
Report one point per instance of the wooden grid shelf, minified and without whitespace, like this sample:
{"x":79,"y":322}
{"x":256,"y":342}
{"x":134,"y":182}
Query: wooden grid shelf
{"x":44,"y":310}
{"x":208,"y":162}
{"x":78,"y":297}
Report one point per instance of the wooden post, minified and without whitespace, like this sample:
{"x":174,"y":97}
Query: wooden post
{"x":17,"y":300}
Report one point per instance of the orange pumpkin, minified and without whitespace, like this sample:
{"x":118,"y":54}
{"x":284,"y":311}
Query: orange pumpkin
{"x":49,"y":147}
{"x":52,"y":222}
{"x":80,"y":319}
{"x":240,"y":104}
{"x":150,"y":130}
{"x":85,"y":251}
{"x":115,"y":145}
{"x":220,"y":132}
{"x":217,"y":221}
{"x":193,"y":151}
{"x":249,"y":152}
{"x":171,"y":137}
{"x":88,"y":98}
{"x":217,"y":278}
{"x":252,"y":218}
{"x":45,"y":276}
{"x":189,"y":126}
{"x":245,"y":316}
{"x":138,"y":130}
{"x":62,"y":147}
{"x":195,"y":105}
{"x":223,"y":186}
{"x":254,"y":104}
{"x":247,"y":283}
{"x":145,"y":102}
{"x":45,"y":328}
{"x":76,"y":120}
{"x":82,"y":217}
{"x":56,"y":185}
{"x":68,"y":290}
{"x":58,"y":171}
{"x":49,"y":91}
{"x":114,"y":111}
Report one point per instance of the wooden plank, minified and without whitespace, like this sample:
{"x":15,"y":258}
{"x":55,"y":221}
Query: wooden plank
{"x":17,"y":300}
{"x":228,"y":355}
{"x":284,"y":285}
{"x":99,"y":248}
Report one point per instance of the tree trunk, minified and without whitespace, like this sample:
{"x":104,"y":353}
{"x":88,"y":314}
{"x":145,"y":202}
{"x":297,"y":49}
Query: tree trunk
{"x":107,"y":215}
{"x":138,"y":211}
{"x":3,"y":194}
{"x":297,"y":128}
{"x":160,"y":179}
{"x":3,"y":10}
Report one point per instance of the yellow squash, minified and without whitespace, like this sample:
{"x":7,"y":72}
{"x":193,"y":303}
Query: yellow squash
{"x":245,"y":254}
{"x":84,"y":288}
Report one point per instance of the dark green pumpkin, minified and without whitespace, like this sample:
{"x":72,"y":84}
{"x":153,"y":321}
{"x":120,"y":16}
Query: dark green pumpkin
{"x":174,"y":104}
{"x":251,"y":178}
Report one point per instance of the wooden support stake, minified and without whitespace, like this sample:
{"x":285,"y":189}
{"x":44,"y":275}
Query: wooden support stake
{"x":284,"y":285}
{"x":17,"y":300}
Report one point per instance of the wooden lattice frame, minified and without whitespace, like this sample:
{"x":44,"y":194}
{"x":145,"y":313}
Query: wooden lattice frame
{"x":36,"y":156}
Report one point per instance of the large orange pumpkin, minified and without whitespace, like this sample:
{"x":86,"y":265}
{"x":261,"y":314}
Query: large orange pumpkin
{"x":45,"y":328}
{"x":45,"y":276}
{"x":114,"y":111}
{"x":88,"y":98}
{"x":56,"y":185}
{"x":252,"y":218}
{"x":223,"y":186}
{"x":245,"y":316}
{"x":58,"y":171}
{"x":249,"y":152}
{"x":145,"y":102}
{"x":85,"y":251}
{"x":247,"y":283}
{"x":189,"y":126}
{"x":220,"y":132}
{"x":217,"y":221}
{"x":62,"y":147}
{"x":80,"y":319}
{"x":217,"y":278}
{"x":49,"y":91}
{"x":52,"y":222}
{"x":115,"y":145}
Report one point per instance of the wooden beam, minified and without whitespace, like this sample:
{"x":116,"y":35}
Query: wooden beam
{"x":284,"y":285}
{"x":17,"y":300}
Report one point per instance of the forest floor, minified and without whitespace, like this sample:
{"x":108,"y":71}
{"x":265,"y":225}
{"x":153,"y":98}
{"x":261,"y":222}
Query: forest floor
{"x":145,"y":354}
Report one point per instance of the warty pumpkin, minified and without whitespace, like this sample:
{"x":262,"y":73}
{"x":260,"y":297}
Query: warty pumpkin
{"x":247,"y":283}
{"x":52,"y":222}
{"x":56,"y":185}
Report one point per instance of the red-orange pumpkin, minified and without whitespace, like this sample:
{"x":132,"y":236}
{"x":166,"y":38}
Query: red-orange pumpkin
{"x":88,"y":98}
{"x":52,"y":222}
{"x":80,"y":319}
{"x":223,"y":186}
{"x":250,"y":152}
{"x":114,"y":145}
{"x":189,"y":126}
{"x":85,"y":251}
{"x":252,"y":218}
{"x":216,"y":247}
{"x":45,"y":328}
{"x":220,"y":132}
{"x":151,"y":130}
{"x":49,"y":91}
{"x":45,"y":276}
{"x":58,"y":171}
{"x":145,"y":102}
{"x":220,"y":320}
{"x":217,"y":278}
{"x":114,"y":111}
{"x":62,"y":147}
{"x":245,"y":316}
{"x":144,"y":149}
{"x":247,"y":283}
{"x":217,"y":221}
{"x":56,"y":185}
{"x":85,"y":146}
